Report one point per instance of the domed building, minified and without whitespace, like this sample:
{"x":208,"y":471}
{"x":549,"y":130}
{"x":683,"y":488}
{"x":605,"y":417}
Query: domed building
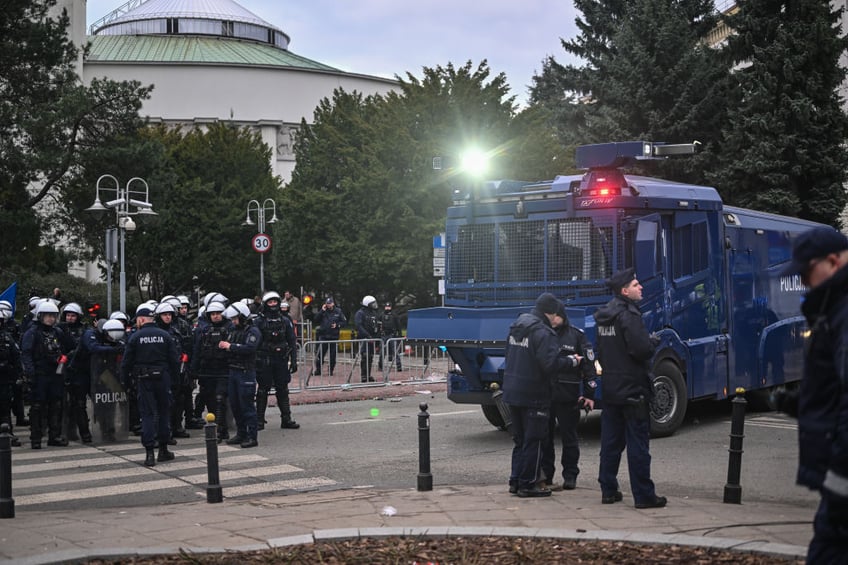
{"x":212,"y":60}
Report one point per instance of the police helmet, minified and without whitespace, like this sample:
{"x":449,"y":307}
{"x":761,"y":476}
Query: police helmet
{"x":164,"y":308}
{"x":201,"y":311}
{"x":284,"y":305}
{"x":5,"y":304}
{"x":113,"y":330}
{"x":271,"y":295}
{"x":166,"y":298}
{"x":72,"y":308}
{"x":184,"y":301}
{"x":5,"y":313}
{"x":46,"y":307}
{"x":215,"y":297}
{"x":34,"y":302}
{"x":145,"y":309}
{"x":118,"y":315}
{"x":237,"y":309}
{"x":369,"y":302}
{"x":173,"y":301}
{"x":214,"y":307}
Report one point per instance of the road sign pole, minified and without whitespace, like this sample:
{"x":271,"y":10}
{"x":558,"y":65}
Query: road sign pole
{"x":262,"y":273}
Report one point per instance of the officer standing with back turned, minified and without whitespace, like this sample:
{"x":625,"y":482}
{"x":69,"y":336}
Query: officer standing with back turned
{"x":151,"y":358}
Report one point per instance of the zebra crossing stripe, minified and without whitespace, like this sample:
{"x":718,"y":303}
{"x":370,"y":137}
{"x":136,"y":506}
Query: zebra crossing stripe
{"x":97,"y":492}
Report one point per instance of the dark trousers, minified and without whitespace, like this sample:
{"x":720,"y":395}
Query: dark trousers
{"x":366,"y":351}
{"x":529,"y":432}
{"x":274,"y":372}
{"x":7,"y":396}
{"x":242,"y":389}
{"x":323,"y":348}
{"x":830,"y":541}
{"x":619,"y":429}
{"x":48,"y":392}
{"x":390,"y":351}
{"x":154,"y":404}
{"x":567,"y":415}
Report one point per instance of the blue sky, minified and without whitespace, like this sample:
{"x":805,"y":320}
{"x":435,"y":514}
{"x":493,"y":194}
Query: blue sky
{"x":389,"y":37}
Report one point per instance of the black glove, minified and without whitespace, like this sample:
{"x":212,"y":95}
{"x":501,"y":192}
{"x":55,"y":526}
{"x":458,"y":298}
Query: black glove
{"x":655,"y":339}
{"x":293,"y":366}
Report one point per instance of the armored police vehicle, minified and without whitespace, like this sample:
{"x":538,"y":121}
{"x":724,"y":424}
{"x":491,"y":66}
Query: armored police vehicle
{"x":710,"y":272}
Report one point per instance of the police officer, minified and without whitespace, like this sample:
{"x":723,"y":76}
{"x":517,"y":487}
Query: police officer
{"x":277,"y":357}
{"x":367,"y":328}
{"x":820,"y":257}
{"x":625,"y":349}
{"x":151,"y":358}
{"x":532,"y":362}
{"x":45,"y":349}
{"x":14,"y":329}
{"x":77,"y":381}
{"x":104,"y":346}
{"x":164,"y":315}
{"x":573,"y":390}
{"x":210,"y":365}
{"x":10,"y":369}
{"x":330,"y":320}
{"x":242,"y":344}
{"x":389,"y":328}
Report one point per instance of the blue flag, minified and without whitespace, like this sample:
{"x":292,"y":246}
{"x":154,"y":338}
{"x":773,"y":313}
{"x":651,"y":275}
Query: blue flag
{"x":11,"y":294}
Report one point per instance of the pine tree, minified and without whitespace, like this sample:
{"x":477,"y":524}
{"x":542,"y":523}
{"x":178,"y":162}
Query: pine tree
{"x":784,"y":144}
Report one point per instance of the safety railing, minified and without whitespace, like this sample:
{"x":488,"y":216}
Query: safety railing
{"x":391,"y":361}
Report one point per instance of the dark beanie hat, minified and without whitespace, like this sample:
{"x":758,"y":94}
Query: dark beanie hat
{"x":621,"y":279}
{"x":547,"y":303}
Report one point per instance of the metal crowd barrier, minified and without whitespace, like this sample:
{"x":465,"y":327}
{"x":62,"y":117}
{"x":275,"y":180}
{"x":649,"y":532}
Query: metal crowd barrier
{"x":393,"y":361}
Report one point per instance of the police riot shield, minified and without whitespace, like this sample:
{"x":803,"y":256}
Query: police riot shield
{"x":109,"y":409}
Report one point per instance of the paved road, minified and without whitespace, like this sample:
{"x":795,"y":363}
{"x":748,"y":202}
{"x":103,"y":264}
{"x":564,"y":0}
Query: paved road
{"x":375,"y":443}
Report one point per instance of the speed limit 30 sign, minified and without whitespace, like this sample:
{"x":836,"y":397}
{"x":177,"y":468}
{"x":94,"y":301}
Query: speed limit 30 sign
{"x":261,"y":243}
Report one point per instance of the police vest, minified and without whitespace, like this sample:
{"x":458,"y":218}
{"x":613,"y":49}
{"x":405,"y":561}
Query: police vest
{"x":241,"y":362}
{"x":210,"y":354}
{"x":7,"y":342}
{"x":274,"y":336}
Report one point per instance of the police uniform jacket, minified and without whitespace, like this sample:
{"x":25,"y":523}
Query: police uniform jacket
{"x":391,"y":324}
{"x":532,"y":361}
{"x":150,"y":350}
{"x":365,"y":321}
{"x":625,"y":350}
{"x":326,"y":319}
{"x":567,"y":386}
{"x":10,"y":357}
{"x":277,"y":331}
{"x":244,"y":342}
{"x":41,"y":348}
{"x":823,"y":399}
{"x":208,"y":360}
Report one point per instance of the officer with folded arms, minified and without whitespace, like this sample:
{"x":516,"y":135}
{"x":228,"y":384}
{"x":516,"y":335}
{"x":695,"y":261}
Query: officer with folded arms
{"x":625,"y":350}
{"x":151,"y":358}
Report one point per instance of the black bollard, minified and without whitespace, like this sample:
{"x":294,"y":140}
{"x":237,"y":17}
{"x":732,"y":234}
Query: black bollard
{"x":7,"y":503}
{"x":213,"y":489}
{"x":733,"y":490}
{"x":425,"y":479}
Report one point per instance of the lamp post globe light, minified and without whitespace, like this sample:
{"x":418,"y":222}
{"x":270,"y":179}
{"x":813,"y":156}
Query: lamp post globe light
{"x":128,"y":202}
{"x":261,"y":242}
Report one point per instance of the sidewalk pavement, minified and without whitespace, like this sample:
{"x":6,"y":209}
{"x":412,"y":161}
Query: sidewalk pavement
{"x":252,"y":523}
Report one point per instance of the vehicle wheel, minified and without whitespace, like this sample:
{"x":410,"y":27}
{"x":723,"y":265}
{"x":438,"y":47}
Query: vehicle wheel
{"x":493,"y":415}
{"x":668,"y":407}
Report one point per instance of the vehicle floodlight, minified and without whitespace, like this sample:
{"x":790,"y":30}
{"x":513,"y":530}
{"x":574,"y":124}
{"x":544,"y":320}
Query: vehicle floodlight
{"x":475,"y":162}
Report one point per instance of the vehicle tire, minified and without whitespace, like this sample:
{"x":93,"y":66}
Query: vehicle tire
{"x":668,"y":407}
{"x":493,"y":415}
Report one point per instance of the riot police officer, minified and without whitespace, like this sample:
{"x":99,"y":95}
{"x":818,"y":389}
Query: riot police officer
{"x":77,"y":381}
{"x":277,"y":358}
{"x":14,"y":329}
{"x":329,"y":320}
{"x":44,"y":349}
{"x":210,"y":364}
{"x":389,"y":326}
{"x":104,"y":347}
{"x":367,"y":328}
{"x":164,"y":319}
{"x":573,"y":390}
{"x":10,"y":369}
{"x":243,"y":342}
{"x":151,"y":359}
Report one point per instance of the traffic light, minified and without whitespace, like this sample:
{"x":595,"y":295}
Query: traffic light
{"x":307,"y":299}
{"x":93,"y":309}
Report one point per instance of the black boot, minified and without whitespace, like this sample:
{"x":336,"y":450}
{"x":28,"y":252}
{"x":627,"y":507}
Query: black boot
{"x":261,"y":406}
{"x":35,"y":430}
{"x":150,"y":458}
{"x":54,"y":431}
{"x":286,"y":421}
{"x":164,"y":454}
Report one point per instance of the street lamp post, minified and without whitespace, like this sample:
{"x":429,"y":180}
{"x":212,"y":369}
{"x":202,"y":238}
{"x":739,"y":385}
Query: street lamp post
{"x":261,"y":242}
{"x":128,"y":202}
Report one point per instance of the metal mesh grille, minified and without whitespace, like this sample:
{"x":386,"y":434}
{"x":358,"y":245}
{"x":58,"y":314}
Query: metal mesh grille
{"x":513,"y":262}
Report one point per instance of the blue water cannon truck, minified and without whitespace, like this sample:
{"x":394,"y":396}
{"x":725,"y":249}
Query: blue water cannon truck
{"x":711,"y":276}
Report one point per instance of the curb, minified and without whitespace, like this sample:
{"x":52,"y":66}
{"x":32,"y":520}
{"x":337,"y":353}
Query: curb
{"x":435,"y":532}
